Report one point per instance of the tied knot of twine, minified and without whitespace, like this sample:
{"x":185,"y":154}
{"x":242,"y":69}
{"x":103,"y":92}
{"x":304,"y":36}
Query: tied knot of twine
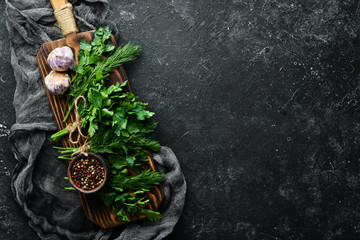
{"x":76,"y":125}
{"x":65,"y":19}
{"x":82,"y":149}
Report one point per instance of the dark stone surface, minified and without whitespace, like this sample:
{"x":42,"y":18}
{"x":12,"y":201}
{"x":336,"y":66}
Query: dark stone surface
{"x":13,"y":224}
{"x":260,"y":102}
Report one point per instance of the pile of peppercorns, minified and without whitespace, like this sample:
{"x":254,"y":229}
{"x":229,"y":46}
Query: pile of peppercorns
{"x":87,"y":173}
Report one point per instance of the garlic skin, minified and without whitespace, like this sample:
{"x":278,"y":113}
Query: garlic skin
{"x":57,"y":83}
{"x":61,"y":59}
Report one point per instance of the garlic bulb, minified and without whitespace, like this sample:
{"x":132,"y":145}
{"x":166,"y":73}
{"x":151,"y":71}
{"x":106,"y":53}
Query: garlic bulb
{"x":61,"y":59}
{"x":57,"y":83}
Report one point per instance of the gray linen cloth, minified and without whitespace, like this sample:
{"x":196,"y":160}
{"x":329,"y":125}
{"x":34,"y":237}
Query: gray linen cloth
{"x":38,"y":181}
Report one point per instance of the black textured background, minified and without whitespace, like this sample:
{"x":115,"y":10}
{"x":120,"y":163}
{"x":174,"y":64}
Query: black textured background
{"x":259,"y":99}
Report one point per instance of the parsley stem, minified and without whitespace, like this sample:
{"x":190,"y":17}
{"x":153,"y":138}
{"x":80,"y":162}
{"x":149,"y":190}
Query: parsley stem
{"x":69,"y":111}
{"x":59,"y":135}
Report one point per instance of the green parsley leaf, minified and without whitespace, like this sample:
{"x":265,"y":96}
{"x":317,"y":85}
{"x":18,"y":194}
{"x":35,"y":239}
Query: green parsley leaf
{"x":84,"y":45}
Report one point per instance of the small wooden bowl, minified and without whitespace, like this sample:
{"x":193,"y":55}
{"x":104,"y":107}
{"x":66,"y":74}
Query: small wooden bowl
{"x":97,"y":157}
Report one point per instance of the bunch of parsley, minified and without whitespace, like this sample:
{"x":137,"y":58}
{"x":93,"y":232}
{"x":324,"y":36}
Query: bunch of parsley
{"x":119,"y":125}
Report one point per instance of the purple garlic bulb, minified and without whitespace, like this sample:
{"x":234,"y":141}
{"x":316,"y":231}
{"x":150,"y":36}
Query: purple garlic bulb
{"x":61,"y":59}
{"x":57,"y":83}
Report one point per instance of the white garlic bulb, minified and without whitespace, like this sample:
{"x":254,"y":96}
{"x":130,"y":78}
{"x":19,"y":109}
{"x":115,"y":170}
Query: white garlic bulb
{"x":61,"y":59}
{"x":57,"y":83}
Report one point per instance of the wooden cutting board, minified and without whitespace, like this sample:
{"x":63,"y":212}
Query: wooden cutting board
{"x":93,"y":206}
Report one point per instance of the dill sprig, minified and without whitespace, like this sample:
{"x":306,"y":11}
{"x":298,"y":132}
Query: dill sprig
{"x":145,"y":180}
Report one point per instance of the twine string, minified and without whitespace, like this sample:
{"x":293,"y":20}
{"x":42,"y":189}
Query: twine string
{"x":65,"y":19}
{"x":76,"y":126}
{"x":82,"y":149}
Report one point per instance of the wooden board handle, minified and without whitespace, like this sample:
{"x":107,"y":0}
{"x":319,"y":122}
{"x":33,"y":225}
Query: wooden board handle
{"x":63,"y":11}
{"x":57,"y":4}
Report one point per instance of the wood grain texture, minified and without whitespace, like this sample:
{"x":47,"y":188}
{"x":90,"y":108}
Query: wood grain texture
{"x":93,"y":206}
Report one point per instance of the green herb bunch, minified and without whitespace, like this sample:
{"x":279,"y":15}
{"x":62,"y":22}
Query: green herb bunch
{"x":118,"y":124}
